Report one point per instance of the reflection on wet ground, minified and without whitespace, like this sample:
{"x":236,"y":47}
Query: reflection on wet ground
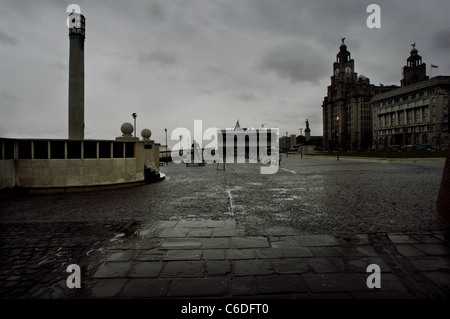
{"x":322,"y":196}
{"x":232,"y":222}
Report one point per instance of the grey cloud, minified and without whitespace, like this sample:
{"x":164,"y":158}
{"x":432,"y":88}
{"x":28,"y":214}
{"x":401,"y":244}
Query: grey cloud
{"x":7,"y":39}
{"x":59,"y":66}
{"x":206,"y":91}
{"x":296,"y":116}
{"x":10,"y":97}
{"x":313,"y":19}
{"x":441,"y":40}
{"x":215,"y":71}
{"x":160,"y":57}
{"x":157,"y":11}
{"x":210,"y":52}
{"x":295,"y":63}
{"x":245,"y":97}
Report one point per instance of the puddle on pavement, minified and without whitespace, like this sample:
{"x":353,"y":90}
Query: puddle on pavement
{"x":130,"y":230}
{"x":293,"y":197}
{"x":280,"y":217}
{"x":281,"y":190}
{"x":145,"y":232}
{"x":228,"y":213}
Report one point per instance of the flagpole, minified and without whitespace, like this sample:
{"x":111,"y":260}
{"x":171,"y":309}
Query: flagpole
{"x":431,"y":69}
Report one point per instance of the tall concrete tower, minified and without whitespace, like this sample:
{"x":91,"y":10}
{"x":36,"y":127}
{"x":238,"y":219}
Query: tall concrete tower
{"x":77,"y":29}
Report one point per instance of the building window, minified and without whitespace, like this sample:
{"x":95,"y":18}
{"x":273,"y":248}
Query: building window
{"x":434,"y":100}
{"x":417,"y":116}
{"x":409,"y":117}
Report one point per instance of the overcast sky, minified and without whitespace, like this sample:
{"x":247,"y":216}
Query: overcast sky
{"x":175,"y":61}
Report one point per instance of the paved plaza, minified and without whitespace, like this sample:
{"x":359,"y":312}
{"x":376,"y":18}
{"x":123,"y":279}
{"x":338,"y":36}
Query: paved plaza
{"x":309,"y":231}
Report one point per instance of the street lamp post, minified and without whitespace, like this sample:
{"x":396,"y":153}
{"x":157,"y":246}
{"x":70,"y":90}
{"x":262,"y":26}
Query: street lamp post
{"x":134,"y":117}
{"x":338,"y":136}
{"x":167,"y":160}
{"x":301,"y":143}
{"x":287,"y":149}
{"x":376,"y":141}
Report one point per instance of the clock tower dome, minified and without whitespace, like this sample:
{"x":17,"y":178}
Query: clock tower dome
{"x":415,"y":70}
{"x":344,"y":64}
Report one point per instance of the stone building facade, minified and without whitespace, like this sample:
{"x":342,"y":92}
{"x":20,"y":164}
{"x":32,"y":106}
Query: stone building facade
{"x":414,"y":116}
{"x":348,"y":100}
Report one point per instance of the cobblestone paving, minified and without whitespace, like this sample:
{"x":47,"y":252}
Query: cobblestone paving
{"x":35,"y":255}
{"x":336,"y":197}
{"x":308,"y":231}
{"x":204,"y":262}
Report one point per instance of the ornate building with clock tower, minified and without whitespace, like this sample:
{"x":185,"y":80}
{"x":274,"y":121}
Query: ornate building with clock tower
{"x":347,"y":116}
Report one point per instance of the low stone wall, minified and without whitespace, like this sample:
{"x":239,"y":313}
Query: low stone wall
{"x":8,"y":174}
{"x":20,"y":168}
{"x":76,"y":172}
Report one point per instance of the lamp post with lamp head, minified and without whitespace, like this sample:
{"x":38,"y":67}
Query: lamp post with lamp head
{"x":338,"y":136}
{"x":134,"y":117}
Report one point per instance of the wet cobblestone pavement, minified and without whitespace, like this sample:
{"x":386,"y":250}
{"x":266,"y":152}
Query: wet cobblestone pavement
{"x":308,"y":231}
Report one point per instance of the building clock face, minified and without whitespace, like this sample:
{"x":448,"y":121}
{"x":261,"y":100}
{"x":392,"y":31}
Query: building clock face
{"x":348,"y":70}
